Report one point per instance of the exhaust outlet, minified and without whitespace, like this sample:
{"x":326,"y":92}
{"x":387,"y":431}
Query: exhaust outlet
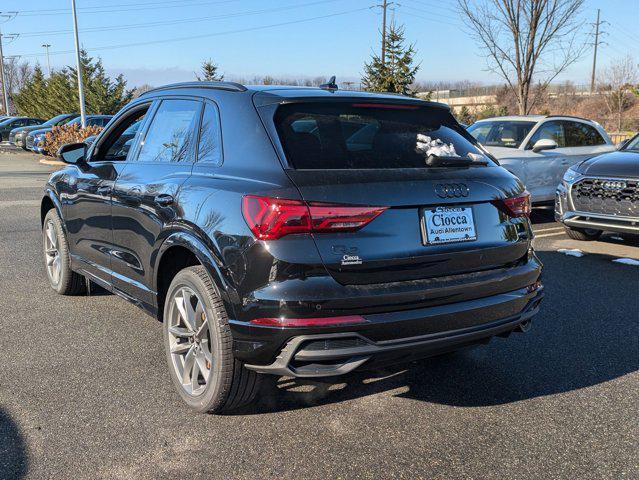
{"x":524,"y":326}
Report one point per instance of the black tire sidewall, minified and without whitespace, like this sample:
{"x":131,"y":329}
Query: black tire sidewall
{"x":217,"y":389}
{"x":63,"y":251}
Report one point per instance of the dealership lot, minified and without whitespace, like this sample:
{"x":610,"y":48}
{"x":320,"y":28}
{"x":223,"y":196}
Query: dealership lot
{"x":84,"y":390}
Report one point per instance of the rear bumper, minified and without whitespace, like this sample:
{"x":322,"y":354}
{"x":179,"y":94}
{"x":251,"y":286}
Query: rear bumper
{"x":313,"y":353}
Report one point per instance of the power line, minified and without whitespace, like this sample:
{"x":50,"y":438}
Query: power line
{"x":175,"y":21}
{"x":206,"y":35}
{"x":118,"y":7}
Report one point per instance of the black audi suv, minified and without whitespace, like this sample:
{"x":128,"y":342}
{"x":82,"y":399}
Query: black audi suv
{"x":292,"y":231}
{"x":601,"y":194}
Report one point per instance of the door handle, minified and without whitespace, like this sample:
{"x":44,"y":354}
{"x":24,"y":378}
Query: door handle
{"x":164,"y":199}
{"x":104,"y":190}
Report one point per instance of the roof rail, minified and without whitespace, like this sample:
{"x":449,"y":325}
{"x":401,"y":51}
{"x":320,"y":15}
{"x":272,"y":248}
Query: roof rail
{"x":570,"y":116}
{"x":229,"y":86}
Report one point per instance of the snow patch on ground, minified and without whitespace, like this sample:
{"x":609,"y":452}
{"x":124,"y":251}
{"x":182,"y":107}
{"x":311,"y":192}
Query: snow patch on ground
{"x":428,"y":146}
{"x":618,"y":238}
{"x":627,"y":261}
{"x":572,"y":252}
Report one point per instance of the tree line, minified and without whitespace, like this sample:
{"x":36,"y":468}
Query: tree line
{"x":45,"y":97}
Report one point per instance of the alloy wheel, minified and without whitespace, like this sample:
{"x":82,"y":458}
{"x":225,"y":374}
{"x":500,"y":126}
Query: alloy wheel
{"x":52,"y":253}
{"x":189,"y":341}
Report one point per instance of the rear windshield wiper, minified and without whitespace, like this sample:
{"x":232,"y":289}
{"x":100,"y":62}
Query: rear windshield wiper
{"x":450,"y":161}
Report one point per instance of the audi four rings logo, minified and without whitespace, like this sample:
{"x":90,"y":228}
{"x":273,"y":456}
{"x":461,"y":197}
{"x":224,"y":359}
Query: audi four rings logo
{"x":452,"y":190}
{"x":612,"y":185}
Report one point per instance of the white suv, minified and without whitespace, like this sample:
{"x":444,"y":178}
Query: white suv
{"x":539,"y":149}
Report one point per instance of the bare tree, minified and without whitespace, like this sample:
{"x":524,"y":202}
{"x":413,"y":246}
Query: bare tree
{"x":618,"y":85}
{"x":527,"y":42}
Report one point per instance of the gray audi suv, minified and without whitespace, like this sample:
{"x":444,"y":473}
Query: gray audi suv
{"x":601,"y":194}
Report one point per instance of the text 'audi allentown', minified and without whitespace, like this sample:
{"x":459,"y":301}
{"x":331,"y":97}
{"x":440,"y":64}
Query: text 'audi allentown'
{"x":293,"y":231}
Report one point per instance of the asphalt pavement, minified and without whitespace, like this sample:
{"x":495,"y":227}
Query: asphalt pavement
{"x":85,"y":392}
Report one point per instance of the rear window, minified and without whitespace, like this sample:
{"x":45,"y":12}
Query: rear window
{"x":361,"y":136}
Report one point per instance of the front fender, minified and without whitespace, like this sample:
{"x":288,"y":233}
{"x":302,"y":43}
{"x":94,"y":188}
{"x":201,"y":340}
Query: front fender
{"x":207,"y":257}
{"x":49,"y":194}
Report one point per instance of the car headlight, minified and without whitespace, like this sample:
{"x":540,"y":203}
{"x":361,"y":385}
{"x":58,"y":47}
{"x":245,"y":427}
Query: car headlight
{"x":571,"y":175}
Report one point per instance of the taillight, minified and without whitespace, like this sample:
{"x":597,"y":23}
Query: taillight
{"x":309,"y":322}
{"x":518,"y":206}
{"x":271,"y":218}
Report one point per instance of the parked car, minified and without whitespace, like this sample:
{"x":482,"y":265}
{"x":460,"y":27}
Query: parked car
{"x":600,"y":194}
{"x":287,"y":251}
{"x":18,"y":136}
{"x":539,"y":149}
{"x":10,"y":123}
{"x":35,"y":138}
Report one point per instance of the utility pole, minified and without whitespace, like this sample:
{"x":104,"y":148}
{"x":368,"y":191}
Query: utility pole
{"x":83,"y":113}
{"x":384,"y":6}
{"x":594,"y":58}
{"x":46,"y":46}
{"x":5,"y":90}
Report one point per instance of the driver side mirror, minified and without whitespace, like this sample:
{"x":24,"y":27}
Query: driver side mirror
{"x":544,"y":144}
{"x":73,"y":153}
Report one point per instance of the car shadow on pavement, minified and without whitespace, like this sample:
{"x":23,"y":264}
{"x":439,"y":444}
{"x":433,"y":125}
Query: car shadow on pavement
{"x":585,"y":334}
{"x":14,"y":460}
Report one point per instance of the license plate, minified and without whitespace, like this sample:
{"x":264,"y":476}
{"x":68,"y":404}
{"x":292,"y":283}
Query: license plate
{"x":448,"y":225}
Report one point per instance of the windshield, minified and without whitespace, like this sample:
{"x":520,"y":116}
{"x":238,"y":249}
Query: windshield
{"x":368,"y":135}
{"x":501,"y":133}
{"x":633,"y":144}
{"x":55,"y":120}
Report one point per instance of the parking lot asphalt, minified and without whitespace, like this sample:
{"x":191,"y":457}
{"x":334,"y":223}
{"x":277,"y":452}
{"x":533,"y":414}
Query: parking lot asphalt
{"x":85,"y":392}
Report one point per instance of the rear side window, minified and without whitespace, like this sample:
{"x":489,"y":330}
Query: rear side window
{"x":170,"y":135}
{"x":582,"y":135}
{"x":210,"y":146}
{"x":549,"y":131}
{"x":367,"y":135}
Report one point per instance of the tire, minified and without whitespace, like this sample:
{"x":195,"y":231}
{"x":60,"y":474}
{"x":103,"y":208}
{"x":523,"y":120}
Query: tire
{"x":56,"y":251}
{"x":583,"y":234}
{"x":227,"y":385}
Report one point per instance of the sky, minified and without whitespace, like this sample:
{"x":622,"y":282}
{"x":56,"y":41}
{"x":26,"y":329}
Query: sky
{"x":163,"y":41}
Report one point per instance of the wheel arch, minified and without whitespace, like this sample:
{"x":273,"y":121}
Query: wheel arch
{"x":48,"y":202}
{"x":182,"y":249}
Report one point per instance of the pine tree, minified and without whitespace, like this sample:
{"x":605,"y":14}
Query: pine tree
{"x":31,"y":99}
{"x":209,"y":72}
{"x":464,"y":116}
{"x":397,"y":74}
{"x":46,"y":98}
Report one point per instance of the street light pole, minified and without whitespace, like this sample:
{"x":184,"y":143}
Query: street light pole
{"x":5,"y":90}
{"x":83,"y":113}
{"x":46,"y":47}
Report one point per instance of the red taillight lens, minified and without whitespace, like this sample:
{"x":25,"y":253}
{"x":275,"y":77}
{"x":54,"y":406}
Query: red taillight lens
{"x":272,"y":218}
{"x":518,"y":206}
{"x":309,"y":322}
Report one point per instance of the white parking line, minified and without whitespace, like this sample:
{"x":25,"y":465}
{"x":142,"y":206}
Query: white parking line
{"x":550,"y":234}
{"x":553,"y":229}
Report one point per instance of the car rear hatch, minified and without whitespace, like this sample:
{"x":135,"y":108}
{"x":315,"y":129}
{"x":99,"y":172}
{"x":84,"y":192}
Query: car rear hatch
{"x":416,"y":221}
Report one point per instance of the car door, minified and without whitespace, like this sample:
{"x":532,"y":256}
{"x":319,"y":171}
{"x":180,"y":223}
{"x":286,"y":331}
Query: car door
{"x":87,"y":202}
{"x":146,"y":194}
{"x":541,"y":168}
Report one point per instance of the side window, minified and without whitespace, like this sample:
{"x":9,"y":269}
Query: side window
{"x":119,"y":143}
{"x":210,"y":146}
{"x":170,"y":136}
{"x":549,"y":131}
{"x":582,"y":135}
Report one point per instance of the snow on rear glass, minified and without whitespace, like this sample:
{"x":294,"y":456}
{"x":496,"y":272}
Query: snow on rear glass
{"x":347,"y":136}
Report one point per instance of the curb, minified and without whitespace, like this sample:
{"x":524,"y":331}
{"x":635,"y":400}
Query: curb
{"x":51,"y":162}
